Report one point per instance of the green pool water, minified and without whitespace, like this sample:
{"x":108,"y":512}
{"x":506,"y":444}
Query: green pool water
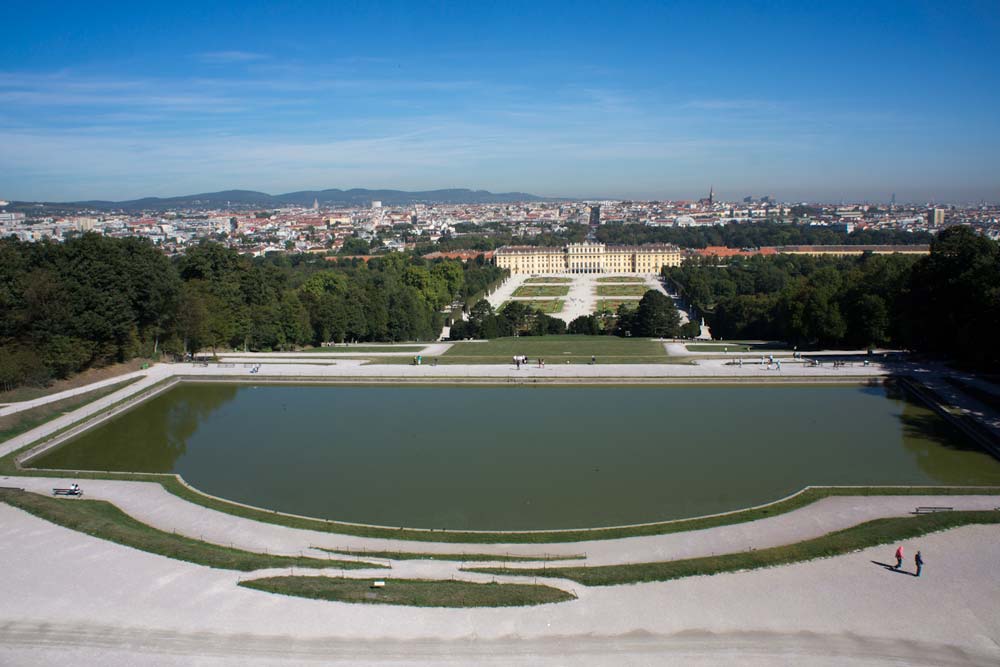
{"x":526,"y":457}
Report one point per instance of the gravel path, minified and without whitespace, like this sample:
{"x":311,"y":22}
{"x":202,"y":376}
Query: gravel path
{"x":11,"y":408}
{"x":152,"y":505}
{"x":71,"y":597}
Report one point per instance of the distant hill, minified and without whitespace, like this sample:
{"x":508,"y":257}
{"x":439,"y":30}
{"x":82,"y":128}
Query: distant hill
{"x":253,"y":199}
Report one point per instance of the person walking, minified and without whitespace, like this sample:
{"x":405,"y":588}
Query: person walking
{"x":899,"y":557}
{"x":919,"y":560}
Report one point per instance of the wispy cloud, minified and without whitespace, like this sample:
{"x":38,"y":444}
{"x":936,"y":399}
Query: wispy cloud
{"x":729,"y":104}
{"x":325,"y":125}
{"x":230,"y":57}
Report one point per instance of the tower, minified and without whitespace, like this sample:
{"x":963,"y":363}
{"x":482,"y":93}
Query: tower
{"x":711,"y":195}
{"x":595,"y":215}
{"x":316,"y":204}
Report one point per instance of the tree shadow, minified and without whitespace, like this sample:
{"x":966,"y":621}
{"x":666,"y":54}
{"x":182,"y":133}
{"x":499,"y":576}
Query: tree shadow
{"x":892,"y":568}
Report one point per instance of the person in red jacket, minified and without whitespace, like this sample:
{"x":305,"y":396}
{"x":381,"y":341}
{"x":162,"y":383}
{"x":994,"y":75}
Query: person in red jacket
{"x":899,"y":557}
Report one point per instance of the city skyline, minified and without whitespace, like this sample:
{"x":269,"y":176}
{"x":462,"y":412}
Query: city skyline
{"x":851,"y":103}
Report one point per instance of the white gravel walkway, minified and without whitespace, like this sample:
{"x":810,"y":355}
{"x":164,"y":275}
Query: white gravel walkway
{"x":69,"y":597}
{"x":152,"y":505}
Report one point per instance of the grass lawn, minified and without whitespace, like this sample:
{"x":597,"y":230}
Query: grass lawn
{"x":541,"y":290}
{"x":105,"y":521}
{"x":621,"y":279}
{"x":862,"y":536}
{"x":547,"y":306}
{"x":536,"y":280}
{"x":360,"y":349}
{"x":612,"y":304}
{"x":558,"y":350}
{"x":621,"y":290}
{"x":21,"y":422}
{"x":411,"y":592}
{"x":555,"y":348}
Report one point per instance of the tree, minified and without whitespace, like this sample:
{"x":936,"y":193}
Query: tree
{"x":690,"y":329}
{"x":587,"y":325}
{"x":953,"y":298}
{"x":355,"y":246}
{"x":656,"y":317}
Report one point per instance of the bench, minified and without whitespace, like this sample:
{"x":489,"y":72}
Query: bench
{"x":67,"y":492}
{"x":932,"y":509}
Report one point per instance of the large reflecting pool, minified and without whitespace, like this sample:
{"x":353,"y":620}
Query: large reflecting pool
{"x":526,"y":457}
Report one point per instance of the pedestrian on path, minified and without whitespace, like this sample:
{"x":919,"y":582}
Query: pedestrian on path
{"x":899,"y":557}
{"x":919,"y":560}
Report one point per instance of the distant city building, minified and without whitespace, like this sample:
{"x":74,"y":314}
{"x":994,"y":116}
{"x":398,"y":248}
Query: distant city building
{"x":376,"y":204}
{"x":595,"y":215}
{"x":588,"y":258}
{"x":316,"y":204}
{"x":935,"y":217}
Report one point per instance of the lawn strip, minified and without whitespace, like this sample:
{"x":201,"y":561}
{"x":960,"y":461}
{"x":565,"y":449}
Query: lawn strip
{"x":862,"y":536}
{"x":105,"y":521}
{"x":410,"y":555}
{"x":621,"y":279}
{"x":621,"y":290}
{"x":411,"y":592}
{"x":546,"y":280}
{"x":15,"y":424}
{"x":541,"y":290}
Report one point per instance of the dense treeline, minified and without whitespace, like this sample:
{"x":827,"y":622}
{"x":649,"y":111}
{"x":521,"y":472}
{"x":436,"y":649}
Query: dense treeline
{"x":943,"y":304}
{"x":515,"y":318}
{"x":655,"y":316}
{"x":755,"y":235}
{"x":94,"y":300}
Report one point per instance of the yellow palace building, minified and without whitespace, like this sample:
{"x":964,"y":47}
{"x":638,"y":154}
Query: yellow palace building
{"x":588,"y":258}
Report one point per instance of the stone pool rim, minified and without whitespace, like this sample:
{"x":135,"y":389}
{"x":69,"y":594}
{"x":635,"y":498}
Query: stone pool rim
{"x":36,"y":449}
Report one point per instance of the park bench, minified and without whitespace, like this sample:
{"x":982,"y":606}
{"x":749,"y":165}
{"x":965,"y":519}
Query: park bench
{"x":67,"y":492}
{"x":931,"y":509}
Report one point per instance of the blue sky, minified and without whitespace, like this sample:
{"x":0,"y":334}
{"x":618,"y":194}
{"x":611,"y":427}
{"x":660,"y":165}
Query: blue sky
{"x":802,"y":100}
